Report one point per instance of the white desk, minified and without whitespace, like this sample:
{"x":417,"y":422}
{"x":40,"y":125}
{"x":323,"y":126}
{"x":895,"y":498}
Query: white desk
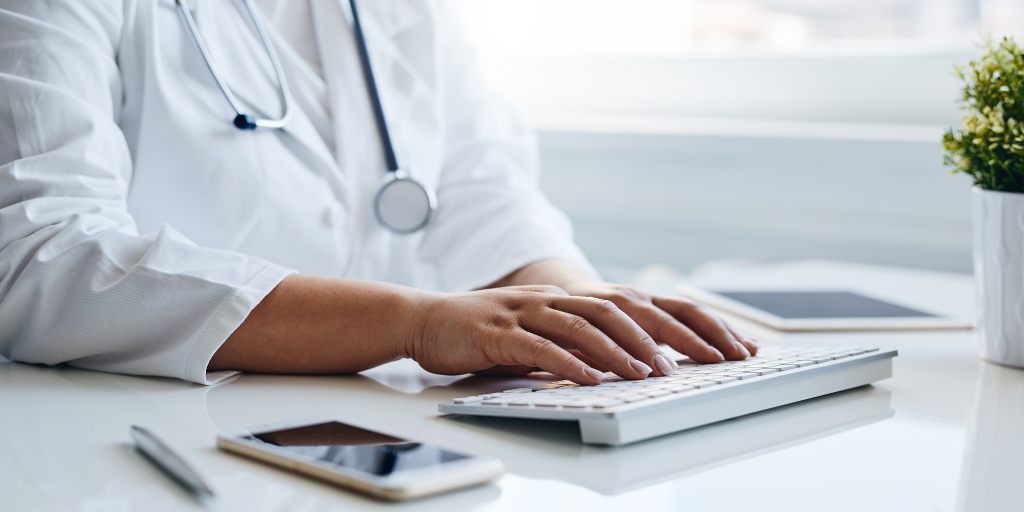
{"x":944,"y":431}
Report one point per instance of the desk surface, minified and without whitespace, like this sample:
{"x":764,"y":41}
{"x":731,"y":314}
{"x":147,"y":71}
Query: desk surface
{"x":942,"y":434}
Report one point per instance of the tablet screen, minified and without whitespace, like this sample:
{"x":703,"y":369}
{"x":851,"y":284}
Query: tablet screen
{"x":822,"y":304}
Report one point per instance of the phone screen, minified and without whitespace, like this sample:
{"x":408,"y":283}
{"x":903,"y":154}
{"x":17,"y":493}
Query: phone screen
{"x":355,"y":448}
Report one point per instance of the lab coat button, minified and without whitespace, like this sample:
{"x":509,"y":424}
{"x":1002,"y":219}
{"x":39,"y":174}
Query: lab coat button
{"x":335,"y":215}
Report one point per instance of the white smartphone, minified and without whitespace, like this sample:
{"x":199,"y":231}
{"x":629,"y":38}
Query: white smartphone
{"x":377,"y":464}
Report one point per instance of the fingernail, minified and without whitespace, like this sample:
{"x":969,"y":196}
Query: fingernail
{"x":746,"y":353}
{"x":640,"y":367}
{"x":594,"y":373}
{"x":663,"y":364}
{"x":752,"y":341}
{"x":717,"y":353}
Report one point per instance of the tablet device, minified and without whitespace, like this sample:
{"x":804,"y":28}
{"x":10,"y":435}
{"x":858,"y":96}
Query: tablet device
{"x":822,"y":310}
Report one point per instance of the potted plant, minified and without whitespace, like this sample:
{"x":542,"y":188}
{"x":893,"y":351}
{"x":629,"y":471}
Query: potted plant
{"x":989,"y":146}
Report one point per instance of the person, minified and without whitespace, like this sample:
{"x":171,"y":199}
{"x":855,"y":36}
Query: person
{"x":142,"y":233}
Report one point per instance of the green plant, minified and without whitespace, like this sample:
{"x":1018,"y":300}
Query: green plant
{"x":989,"y":146}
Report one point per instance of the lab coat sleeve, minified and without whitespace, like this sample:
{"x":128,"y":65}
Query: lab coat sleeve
{"x":78,"y":283}
{"x":492,"y":217}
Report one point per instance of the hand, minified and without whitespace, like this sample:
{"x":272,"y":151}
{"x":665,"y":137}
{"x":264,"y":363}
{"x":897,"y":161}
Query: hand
{"x":684,"y":325}
{"x":530,"y":327}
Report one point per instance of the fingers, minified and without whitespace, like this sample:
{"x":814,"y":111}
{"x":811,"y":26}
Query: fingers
{"x":623,"y":346}
{"x":588,"y":361}
{"x":532,"y":350}
{"x":573,"y":332}
{"x":666,"y":329}
{"x":747,"y":341}
{"x":705,"y":325}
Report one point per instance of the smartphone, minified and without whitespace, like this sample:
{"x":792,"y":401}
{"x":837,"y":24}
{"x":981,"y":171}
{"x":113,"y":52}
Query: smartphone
{"x":362,"y":460}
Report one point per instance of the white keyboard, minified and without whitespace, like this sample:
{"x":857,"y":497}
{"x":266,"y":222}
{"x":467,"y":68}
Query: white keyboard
{"x":619,"y":411}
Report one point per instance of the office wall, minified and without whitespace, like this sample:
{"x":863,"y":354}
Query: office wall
{"x":683,"y":199}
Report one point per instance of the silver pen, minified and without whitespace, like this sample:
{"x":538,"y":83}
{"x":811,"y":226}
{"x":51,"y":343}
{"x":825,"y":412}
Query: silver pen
{"x":170,"y":463}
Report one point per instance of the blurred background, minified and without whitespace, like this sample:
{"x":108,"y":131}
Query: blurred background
{"x":682,"y":131}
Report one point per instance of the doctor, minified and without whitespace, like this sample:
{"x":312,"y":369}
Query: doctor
{"x":167,"y":209}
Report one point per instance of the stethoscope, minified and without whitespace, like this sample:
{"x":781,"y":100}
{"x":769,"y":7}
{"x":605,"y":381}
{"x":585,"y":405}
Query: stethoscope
{"x":402,"y":205}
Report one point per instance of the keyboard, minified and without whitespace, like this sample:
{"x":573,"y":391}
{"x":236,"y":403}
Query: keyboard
{"x":619,"y":411}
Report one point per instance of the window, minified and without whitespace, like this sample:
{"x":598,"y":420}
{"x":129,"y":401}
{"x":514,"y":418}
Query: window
{"x":768,"y":129}
{"x":548,"y":28}
{"x":890,"y":61}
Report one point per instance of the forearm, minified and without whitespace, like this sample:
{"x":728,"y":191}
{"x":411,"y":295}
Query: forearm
{"x":553,"y":272}
{"x":321,"y":325}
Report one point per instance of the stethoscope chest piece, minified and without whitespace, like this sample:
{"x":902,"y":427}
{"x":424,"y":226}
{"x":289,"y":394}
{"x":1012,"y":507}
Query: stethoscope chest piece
{"x":404,"y":205}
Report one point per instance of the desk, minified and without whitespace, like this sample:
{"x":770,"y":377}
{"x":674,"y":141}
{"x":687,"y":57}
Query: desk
{"x":943,"y":434}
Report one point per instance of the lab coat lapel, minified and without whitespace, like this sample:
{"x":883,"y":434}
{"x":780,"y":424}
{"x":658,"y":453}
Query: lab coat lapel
{"x":398,"y":82}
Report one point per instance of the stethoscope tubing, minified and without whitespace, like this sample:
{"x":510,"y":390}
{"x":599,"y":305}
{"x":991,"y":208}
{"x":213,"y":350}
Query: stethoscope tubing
{"x":371,"y":87}
{"x":242,"y":120}
{"x":397,"y":176}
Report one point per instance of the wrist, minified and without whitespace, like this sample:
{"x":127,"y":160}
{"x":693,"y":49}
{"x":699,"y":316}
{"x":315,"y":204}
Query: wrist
{"x":560,"y":273}
{"x":414,"y":312}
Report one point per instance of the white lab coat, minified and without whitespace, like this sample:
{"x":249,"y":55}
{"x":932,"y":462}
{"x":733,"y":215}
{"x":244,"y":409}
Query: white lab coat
{"x":138,"y":227}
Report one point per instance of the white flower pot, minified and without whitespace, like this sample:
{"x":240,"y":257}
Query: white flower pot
{"x":999,"y":275}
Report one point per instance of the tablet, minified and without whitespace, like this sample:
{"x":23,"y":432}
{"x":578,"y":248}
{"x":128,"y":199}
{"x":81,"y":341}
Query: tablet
{"x":822,"y":310}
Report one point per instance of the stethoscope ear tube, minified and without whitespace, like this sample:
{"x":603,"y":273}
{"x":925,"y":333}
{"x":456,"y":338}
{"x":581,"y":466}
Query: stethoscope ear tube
{"x":242,"y":121}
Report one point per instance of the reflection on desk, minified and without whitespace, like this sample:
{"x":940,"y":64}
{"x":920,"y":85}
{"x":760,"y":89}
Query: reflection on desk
{"x":993,"y":475}
{"x":614,"y":470}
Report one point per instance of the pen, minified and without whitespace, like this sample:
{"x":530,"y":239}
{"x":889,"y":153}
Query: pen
{"x":170,"y":463}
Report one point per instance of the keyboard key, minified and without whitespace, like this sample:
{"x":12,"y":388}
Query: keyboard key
{"x":723,"y":380}
{"x":607,"y":404}
{"x":742,"y":376}
{"x":655,"y":393}
{"x":579,"y":404}
{"x":785,"y":367}
{"x":634,"y":398}
{"x":467,"y":400}
{"x":552,"y":401}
